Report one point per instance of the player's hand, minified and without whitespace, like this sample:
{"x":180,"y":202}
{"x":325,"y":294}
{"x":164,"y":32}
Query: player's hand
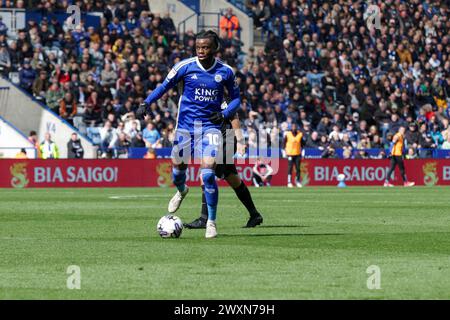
{"x":216,"y":118}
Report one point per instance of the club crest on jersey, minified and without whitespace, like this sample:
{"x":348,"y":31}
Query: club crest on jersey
{"x":218,"y":78}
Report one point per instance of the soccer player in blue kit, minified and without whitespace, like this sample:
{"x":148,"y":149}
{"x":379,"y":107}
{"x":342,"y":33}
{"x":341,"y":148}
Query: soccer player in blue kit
{"x":200,"y":118}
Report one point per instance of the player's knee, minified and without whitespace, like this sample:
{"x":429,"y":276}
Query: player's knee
{"x":208,"y":177}
{"x":233,"y":180}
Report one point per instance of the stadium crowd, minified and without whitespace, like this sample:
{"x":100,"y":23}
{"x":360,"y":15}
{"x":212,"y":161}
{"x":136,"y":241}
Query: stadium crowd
{"x":348,"y":86}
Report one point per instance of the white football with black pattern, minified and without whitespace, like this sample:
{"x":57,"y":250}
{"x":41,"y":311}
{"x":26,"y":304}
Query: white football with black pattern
{"x":170,"y":226}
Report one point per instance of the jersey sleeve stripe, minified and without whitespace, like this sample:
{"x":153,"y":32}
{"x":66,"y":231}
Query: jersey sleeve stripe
{"x":179,"y":65}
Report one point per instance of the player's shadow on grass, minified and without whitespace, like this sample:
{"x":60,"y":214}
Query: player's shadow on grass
{"x":281,"y":226}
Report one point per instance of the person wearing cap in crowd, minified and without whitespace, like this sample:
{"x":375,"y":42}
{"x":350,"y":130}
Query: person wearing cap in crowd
{"x":412,"y":136}
{"x":426,"y":145}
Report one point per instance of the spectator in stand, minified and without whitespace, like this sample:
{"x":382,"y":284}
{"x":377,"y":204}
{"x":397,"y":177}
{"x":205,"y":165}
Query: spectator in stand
{"x":40,"y":86}
{"x":5,"y":60}
{"x":229,"y":23}
{"x":53,"y":97}
{"x":261,"y":14}
{"x":108,"y":139}
{"x":74,"y":147}
{"x":32,"y":137}
{"x":313,"y":141}
{"x":446,"y":144}
{"x":151,"y":154}
{"x":93,"y":108}
{"x":68,"y":108}
{"x":3,"y":27}
{"x":426,"y":146}
{"x":329,"y":153}
{"x":49,"y":149}
{"x":137,"y":141}
{"x":412,"y":137}
{"x":27,"y":76}
{"x":151,"y":135}
{"x":412,"y":154}
{"x":22,"y":154}
{"x":121,"y":150}
{"x":108,"y":76}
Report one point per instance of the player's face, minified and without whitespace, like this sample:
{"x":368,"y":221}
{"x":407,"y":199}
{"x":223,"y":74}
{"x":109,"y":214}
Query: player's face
{"x":204,"y":48}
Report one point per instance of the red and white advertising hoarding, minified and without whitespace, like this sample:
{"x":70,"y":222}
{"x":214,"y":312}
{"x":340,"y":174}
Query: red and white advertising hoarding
{"x":157,"y":173}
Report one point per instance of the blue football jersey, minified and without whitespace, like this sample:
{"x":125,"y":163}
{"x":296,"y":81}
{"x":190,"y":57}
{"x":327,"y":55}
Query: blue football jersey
{"x":202,"y":94}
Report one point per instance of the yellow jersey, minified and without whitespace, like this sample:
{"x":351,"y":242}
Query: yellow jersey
{"x":397,"y":150}
{"x":294,"y":143}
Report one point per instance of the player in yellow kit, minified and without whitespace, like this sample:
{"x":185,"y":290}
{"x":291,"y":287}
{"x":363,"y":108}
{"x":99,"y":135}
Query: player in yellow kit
{"x":396,"y":155}
{"x":293,"y":146}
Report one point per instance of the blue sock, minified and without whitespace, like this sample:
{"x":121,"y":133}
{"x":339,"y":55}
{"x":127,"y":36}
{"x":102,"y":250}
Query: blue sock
{"x":179,"y":179}
{"x":211,"y":192}
{"x":212,"y":212}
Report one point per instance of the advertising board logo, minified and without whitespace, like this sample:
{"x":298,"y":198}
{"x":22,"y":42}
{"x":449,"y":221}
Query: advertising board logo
{"x":430,"y":174}
{"x":19,"y":178}
{"x":164,"y":171}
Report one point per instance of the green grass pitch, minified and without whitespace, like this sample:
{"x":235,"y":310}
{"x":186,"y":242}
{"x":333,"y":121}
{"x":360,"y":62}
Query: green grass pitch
{"x":316,"y":243}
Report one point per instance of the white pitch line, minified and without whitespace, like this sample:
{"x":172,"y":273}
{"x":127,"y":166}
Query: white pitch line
{"x":137,"y":196}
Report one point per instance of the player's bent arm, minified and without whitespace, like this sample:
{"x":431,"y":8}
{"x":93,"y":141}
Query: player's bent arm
{"x":174,"y":76}
{"x":233,"y":92}
{"x":233,"y":106}
{"x":157,"y":93}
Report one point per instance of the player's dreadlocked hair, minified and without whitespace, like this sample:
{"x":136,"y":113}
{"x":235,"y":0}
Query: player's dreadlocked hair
{"x":210,"y":35}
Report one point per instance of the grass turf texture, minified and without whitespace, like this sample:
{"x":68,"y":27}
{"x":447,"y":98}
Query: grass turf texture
{"x":316,"y":243}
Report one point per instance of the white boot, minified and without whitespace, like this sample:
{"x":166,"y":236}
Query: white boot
{"x":211,"y":229}
{"x":175,"y":202}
